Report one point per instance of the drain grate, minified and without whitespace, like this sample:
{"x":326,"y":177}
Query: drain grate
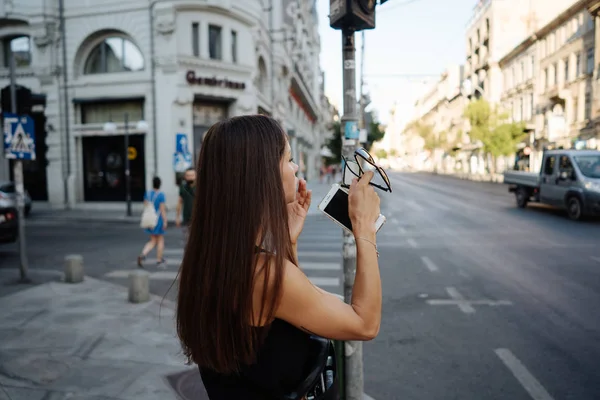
{"x":188,"y":385}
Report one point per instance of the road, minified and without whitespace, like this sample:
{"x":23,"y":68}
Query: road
{"x":481,"y":300}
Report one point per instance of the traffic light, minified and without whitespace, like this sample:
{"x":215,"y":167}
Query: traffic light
{"x":23,"y":96}
{"x":356,"y":15}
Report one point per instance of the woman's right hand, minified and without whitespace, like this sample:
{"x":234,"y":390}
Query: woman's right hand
{"x":363,"y":205}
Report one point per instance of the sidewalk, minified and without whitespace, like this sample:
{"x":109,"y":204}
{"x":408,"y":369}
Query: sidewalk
{"x":87,"y":342}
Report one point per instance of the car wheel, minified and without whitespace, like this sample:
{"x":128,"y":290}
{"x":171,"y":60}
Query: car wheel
{"x":574,"y":208}
{"x":522,"y":198}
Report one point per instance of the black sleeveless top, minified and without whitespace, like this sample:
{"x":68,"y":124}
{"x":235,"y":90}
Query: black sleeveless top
{"x":282,"y":363}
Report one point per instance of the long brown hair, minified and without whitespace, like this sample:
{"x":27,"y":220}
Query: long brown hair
{"x":239,"y":202}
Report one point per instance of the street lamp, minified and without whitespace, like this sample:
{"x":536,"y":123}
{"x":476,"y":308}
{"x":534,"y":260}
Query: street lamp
{"x":112,"y":127}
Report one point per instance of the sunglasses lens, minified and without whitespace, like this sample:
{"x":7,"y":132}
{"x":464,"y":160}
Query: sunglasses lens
{"x":364,"y":154}
{"x":351,"y":171}
{"x":378,"y":177}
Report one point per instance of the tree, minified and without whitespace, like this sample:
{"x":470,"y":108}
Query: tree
{"x":498,"y":136}
{"x":374,"y":134}
{"x":334,"y":144}
{"x":381,"y":153}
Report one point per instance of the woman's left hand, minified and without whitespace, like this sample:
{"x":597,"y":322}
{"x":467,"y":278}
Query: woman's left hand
{"x":298,"y":210}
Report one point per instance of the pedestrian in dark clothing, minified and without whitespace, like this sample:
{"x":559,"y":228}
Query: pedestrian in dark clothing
{"x":187,"y":191}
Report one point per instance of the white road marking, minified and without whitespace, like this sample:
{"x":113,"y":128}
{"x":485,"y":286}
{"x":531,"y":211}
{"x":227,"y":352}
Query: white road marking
{"x":321,"y":254}
{"x":173,"y":262}
{"x":173,"y":252}
{"x":402,"y":230}
{"x":325,"y":281}
{"x":525,"y":378}
{"x":394,"y":221}
{"x":462,"y":273}
{"x":429,"y":264}
{"x":411,"y":242}
{"x":415,"y":205}
{"x":321,"y":266}
{"x":158,"y":275}
{"x":596,"y":258}
{"x":463,"y":304}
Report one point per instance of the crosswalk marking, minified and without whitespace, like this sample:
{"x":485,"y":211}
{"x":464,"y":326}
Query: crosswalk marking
{"x":158,"y":275}
{"x":321,"y":266}
{"x":319,"y":281}
{"x":321,"y":254}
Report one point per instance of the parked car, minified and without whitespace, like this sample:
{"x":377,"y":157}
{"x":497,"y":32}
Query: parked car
{"x":8,"y":197}
{"x":569,"y":179}
{"x":9,"y":228}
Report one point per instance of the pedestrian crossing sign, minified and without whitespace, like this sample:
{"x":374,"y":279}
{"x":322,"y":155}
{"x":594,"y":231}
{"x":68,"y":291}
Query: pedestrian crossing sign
{"x":19,"y":137}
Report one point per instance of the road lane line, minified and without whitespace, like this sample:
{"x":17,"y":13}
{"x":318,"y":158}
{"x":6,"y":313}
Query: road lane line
{"x":411,"y":242}
{"x":463,"y":305}
{"x":525,"y":378}
{"x":429,"y":264}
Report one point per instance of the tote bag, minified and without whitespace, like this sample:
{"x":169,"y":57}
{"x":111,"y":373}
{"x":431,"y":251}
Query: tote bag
{"x":149,"y":215}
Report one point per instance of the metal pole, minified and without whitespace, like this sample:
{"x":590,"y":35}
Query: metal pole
{"x":127,"y":170}
{"x":18,"y":175}
{"x":353,"y":365}
{"x":65,"y":72}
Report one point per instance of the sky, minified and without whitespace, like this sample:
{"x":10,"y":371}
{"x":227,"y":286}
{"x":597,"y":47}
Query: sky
{"x":414,"y":40}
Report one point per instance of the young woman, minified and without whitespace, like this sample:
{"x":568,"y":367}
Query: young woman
{"x":245,"y":309}
{"x":157,"y":238}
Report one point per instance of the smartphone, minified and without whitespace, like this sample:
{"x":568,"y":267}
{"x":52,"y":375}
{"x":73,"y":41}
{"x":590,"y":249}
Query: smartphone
{"x":335,"y":206}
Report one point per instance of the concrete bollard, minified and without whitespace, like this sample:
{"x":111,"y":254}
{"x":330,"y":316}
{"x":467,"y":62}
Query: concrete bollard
{"x":139,"y":287}
{"x":73,"y":268}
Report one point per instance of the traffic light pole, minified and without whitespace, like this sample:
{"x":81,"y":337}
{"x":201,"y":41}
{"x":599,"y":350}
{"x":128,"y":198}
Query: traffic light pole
{"x":353,"y":365}
{"x":18,"y":176}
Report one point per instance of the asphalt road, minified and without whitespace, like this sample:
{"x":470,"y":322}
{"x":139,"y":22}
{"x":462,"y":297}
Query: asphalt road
{"x":481,"y":300}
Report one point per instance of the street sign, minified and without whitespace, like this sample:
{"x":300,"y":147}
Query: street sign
{"x":181,"y":144}
{"x":181,"y":161}
{"x":351,"y":130}
{"x":19,"y":137}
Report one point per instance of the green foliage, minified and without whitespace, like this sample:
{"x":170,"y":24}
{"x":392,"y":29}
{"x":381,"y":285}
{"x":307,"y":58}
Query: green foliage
{"x":374,"y":134}
{"x":498,"y":136}
{"x":334,"y":144}
{"x":381,"y":153}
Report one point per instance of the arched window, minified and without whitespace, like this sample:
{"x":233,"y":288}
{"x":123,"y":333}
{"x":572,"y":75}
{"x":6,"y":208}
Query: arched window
{"x":20,"y":47}
{"x":114,"y":54}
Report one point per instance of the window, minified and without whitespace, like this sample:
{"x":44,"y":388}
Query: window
{"x":214,"y":42}
{"x":590,"y":60}
{"x":555,"y":73}
{"x":588,"y":105}
{"x":100,"y":113}
{"x":531,"y":66}
{"x":234,"y":46}
{"x":522,"y":71}
{"x":531,"y":107}
{"x":549,"y":165}
{"x":567,"y":69}
{"x":114,"y":54}
{"x":20,"y":47}
{"x":565,"y":165}
{"x":578,"y":65}
{"x":575,"y":116}
{"x":196,"y":39}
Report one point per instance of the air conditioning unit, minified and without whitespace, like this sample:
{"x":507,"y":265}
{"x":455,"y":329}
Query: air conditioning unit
{"x":356,"y":15}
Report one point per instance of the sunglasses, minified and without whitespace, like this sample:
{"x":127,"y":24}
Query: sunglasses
{"x":362,"y":163}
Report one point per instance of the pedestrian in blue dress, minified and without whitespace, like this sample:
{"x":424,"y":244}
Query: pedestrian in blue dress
{"x":157,"y":238}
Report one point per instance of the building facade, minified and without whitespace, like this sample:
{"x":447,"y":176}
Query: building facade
{"x":160,"y":73}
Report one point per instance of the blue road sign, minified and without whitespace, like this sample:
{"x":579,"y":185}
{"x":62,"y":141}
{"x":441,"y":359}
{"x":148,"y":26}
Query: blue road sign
{"x":181,"y":161}
{"x":181,"y":144}
{"x":351,"y":130}
{"x":19,"y":137}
